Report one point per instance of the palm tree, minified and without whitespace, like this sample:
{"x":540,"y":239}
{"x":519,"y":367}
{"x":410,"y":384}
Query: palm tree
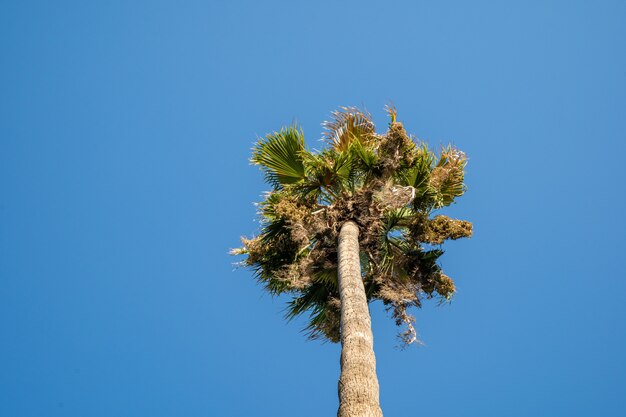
{"x":351,"y":224}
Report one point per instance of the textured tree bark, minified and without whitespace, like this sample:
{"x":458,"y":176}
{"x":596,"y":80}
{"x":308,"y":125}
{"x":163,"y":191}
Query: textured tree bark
{"x":358,"y":383}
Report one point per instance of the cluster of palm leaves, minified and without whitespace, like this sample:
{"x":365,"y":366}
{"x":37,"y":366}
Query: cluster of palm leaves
{"x":388,"y":184}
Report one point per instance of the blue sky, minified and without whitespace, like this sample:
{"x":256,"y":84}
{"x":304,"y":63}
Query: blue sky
{"x":125,"y":132}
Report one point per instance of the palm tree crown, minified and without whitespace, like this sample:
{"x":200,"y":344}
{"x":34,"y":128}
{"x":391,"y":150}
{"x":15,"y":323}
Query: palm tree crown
{"x":388,"y":184}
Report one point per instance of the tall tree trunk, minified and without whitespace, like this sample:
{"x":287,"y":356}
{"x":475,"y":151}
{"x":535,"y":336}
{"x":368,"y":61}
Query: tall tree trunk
{"x":358,"y":383}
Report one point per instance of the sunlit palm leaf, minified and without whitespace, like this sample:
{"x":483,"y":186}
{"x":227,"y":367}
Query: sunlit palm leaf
{"x":349,"y":124}
{"x":328,"y":173}
{"x":280,"y":155}
{"x":418,"y":176}
{"x":398,"y":218}
{"x":365,"y":154}
{"x":450,"y":174}
{"x":451,"y":188}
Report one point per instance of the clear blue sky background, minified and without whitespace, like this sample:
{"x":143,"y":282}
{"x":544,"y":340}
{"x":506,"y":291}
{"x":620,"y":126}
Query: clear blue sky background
{"x":125,"y":131}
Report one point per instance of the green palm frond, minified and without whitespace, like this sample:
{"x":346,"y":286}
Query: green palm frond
{"x":451,"y":188}
{"x":448,"y":176}
{"x":280,"y":156}
{"x":428,"y":261}
{"x":273,"y":225}
{"x":366,"y":163}
{"x":318,"y":177}
{"x":342,"y":167}
{"x":349,"y":124}
{"x":323,"y":318}
{"x":324,"y":323}
{"x":328,"y":173}
{"x":365,"y":154}
{"x":272,"y":230}
{"x":392,"y":248}
{"x":267,"y":208}
{"x":268,"y":260}
{"x":400,"y":217}
{"x":392,"y":262}
{"x":418,"y":176}
{"x":314,"y":295}
{"x":327,"y":277}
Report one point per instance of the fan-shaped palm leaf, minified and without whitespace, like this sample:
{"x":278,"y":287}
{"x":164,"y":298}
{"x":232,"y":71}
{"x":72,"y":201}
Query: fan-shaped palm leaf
{"x":349,"y":124}
{"x":448,"y":176}
{"x":280,"y":156}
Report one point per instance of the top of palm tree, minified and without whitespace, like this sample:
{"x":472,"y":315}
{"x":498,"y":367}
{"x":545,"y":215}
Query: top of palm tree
{"x":388,"y":184}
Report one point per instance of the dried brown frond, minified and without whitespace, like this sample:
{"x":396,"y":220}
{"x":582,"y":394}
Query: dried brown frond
{"x":396,"y":149}
{"x":444,"y":285}
{"x":392,"y":112}
{"x":299,"y":235}
{"x":440,"y":175}
{"x":323,"y":258}
{"x":402,"y":317}
{"x":297,"y":217}
{"x":289,"y":208}
{"x":255,"y":249}
{"x":348,"y":124}
{"x":392,"y":290}
{"x":441,"y":228}
{"x":290,"y":275}
{"x":363,"y":209}
{"x":428,"y":286}
{"x":454,"y":156}
{"x":238,"y":251}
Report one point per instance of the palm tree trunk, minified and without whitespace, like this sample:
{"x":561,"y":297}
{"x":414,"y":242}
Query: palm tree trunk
{"x":358,"y":383}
